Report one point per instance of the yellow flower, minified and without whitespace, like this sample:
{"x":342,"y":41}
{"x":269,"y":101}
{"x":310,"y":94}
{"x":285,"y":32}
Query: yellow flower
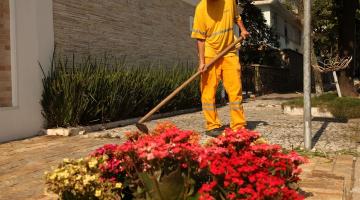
{"x":92,"y":178}
{"x":98,"y":193}
{"x":52,"y":176}
{"x":105,"y":157}
{"x":118,"y":185}
{"x":78,"y":177}
{"x":83,"y":169}
{"x":77,"y":186}
{"x":64,"y":174}
{"x":88,"y":178}
{"x":93,"y":162}
{"x":66,"y":160}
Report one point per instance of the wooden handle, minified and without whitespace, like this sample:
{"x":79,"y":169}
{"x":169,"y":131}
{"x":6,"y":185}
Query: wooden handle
{"x":182,"y":86}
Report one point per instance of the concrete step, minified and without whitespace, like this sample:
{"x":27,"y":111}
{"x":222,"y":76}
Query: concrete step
{"x":323,"y":186}
{"x":328,"y":178}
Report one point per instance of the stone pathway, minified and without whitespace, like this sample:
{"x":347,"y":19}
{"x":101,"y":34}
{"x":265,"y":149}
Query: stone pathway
{"x":23,"y":163}
{"x":331,"y":178}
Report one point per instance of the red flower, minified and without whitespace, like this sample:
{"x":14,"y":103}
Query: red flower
{"x":231,"y":165}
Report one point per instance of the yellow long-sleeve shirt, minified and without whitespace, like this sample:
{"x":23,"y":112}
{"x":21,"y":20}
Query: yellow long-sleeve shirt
{"x":214,"y":22}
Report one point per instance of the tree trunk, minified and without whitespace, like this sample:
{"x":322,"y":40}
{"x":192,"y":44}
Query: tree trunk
{"x":319,"y":87}
{"x":347,"y":85}
{"x":347,"y":38}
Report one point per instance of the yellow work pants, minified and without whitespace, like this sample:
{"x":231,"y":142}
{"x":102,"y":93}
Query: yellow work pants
{"x":226,"y":69}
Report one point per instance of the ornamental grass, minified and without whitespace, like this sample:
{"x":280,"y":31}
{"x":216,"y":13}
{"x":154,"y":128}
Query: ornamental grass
{"x":99,"y":90}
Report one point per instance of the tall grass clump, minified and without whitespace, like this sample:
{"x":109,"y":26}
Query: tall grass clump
{"x":102,"y":90}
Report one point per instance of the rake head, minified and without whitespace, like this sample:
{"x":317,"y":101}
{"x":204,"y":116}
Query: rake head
{"x":142,"y":127}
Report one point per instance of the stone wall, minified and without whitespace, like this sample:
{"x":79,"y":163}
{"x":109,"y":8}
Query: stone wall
{"x":5,"y":59}
{"x":141,"y":30}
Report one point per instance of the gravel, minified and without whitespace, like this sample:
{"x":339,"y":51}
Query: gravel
{"x":265,"y":116}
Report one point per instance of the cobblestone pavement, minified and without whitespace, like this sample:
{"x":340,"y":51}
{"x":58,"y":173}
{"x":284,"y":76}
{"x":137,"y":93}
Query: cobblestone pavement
{"x":23,"y":163}
{"x":265,"y":116}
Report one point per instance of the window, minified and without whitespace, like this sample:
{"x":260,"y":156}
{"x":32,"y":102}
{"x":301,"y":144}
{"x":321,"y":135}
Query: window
{"x":274,"y":21}
{"x":286,"y":34}
{"x":5,"y":55}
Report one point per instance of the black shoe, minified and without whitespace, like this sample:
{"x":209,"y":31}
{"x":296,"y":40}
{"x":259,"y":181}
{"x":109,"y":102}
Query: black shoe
{"x":215,"y":132}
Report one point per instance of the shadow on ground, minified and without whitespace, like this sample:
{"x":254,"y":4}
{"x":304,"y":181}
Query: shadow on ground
{"x":305,"y":194}
{"x":280,"y":96}
{"x":251,"y":125}
{"x":326,"y":122}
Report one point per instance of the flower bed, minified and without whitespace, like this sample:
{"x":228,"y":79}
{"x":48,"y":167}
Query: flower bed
{"x":171,"y":164}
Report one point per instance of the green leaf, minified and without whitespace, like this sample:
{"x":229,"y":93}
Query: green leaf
{"x":196,"y":197}
{"x":170,"y":187}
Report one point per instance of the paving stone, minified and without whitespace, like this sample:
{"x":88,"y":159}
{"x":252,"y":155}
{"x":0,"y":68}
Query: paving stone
{"x":345,"y":159}
{"x":356,"y":188}
{"x":324,"y":165}
{"x":308,"y":168}
{"x":355,"y":196}
{"x":326,"y":185}
{"x":325,"y":196}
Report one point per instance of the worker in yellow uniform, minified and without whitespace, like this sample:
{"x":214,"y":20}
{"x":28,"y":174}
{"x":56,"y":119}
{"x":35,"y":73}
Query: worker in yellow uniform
{"x":214,"y":30}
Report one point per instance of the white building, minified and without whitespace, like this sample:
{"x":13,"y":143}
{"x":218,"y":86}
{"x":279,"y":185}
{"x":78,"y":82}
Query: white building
{"x":27,"y":34}
{"x":284,"y":23}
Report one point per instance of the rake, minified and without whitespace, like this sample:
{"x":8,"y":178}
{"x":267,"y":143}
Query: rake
{"x":140,"y":124}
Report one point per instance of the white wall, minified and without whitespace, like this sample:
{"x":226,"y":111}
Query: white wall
{"x":283,"y":17}
{"x":267,"y":14}
{"x":292,"y":34}
{"x":33,"y":37}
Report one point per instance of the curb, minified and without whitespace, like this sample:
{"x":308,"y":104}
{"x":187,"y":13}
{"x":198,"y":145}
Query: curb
{"x":315,"y":111}
{"x":72,"y":131}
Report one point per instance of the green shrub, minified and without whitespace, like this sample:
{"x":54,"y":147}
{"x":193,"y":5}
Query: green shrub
{"x":101,"y":90}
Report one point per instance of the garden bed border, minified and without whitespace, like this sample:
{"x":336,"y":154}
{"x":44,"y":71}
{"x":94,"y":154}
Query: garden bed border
{"x":81,"y":130}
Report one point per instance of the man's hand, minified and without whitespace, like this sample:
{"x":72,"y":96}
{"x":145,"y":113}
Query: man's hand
{"x":202,"y":67}
{"x":245,"y":34}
